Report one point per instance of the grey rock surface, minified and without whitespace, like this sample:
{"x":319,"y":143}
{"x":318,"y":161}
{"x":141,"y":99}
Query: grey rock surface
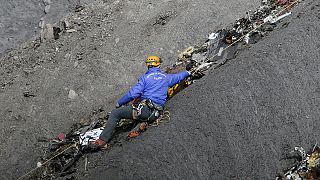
{"x":259,"y":105}
{"x":240,"y":121}
{"x":19,"y":19}
{"x":91,"y":63}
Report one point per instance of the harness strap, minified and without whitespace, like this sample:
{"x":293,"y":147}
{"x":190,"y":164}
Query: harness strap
{"x":136,"y":110}
{"x":145,"y":103}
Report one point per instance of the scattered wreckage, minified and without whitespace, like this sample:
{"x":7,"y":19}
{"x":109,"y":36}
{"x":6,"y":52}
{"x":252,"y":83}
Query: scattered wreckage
{"x":307,"y":168}
{"x":65,"y":150}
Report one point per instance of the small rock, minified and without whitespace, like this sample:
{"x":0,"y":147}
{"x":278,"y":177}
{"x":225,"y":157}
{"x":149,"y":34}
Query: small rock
{"x":78,"y":22}
{"x":198,"y":57}
{"x":41,"y":23}
{"x":15,"y":58}
{"x":71,"y":30}
{"x":39,"y":164}
{"x":47,"y":2}
{"x":56,"y":31}
{"x":47,"y":33}
{"x":117,"y":40}
{"x":72,"y":94}
{"x":28,"y":94}
{"x":62,"y":25}
{"x":79,"y":8}
{"x":76,"y":64}
{"x":47,"y":9}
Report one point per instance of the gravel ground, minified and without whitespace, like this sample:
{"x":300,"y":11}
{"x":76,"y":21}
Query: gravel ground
{"x":46,"y":87}
{"x":238,"y":122}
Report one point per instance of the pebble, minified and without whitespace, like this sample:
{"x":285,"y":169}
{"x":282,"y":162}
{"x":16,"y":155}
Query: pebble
{"x":47,"y":2}
{"x":41,"y":23}
{"x":117,"y":40}
{"x":71,"y":30}
{"x":76,"y":63}
{"x":47,"y":9}
{"x":72,"y":94}
{"x":47,"y":33}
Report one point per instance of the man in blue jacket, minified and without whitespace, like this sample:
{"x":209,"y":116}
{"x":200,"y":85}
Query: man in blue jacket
{"x":151,"y":89}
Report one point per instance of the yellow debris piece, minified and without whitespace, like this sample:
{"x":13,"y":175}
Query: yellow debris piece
{"x":186,"y":53}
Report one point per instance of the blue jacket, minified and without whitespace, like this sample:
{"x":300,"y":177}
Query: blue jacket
{"x":153,"y":85}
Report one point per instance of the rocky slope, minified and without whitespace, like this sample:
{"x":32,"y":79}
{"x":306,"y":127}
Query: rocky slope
{"x":45,"y":87}
{"x":239,"y":122}
{"x":21,"y":20}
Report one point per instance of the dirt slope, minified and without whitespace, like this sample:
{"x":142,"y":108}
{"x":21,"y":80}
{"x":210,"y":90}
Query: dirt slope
{"x":46,"y":87}
{"x":240,"y":120}
{"x":19,"y":19}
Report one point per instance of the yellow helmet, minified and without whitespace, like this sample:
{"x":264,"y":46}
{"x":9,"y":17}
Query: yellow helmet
{"x":153,"y":61}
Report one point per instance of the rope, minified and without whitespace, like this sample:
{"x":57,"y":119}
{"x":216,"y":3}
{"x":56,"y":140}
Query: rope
{"x":253,"y":30}
{"x":73,"y":145}
{"x":165,"y":117}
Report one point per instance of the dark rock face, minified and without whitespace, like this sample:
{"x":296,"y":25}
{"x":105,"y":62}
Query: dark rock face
{"x":240,"y":121}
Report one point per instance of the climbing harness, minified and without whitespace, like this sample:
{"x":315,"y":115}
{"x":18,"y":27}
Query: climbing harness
{"x":147,"y":103}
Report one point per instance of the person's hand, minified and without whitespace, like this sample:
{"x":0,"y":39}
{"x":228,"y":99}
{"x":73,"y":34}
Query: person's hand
{"x":190,"y":66}
{"x":192,"y":71}
{"x":118,"y":105}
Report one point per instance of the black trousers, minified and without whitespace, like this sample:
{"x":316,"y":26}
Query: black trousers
{"x":124,"y":112}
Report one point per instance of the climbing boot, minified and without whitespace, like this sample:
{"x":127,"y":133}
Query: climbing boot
{"x":141,"y":127}
{"x":98,"y":144}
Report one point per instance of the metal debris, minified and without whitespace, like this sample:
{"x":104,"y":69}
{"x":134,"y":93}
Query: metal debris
{"x":306,"y":169}
{"x":223,"y":44}
{"x":90,"y":136}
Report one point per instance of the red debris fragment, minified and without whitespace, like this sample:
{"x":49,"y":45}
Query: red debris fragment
{"x":61,"y":136}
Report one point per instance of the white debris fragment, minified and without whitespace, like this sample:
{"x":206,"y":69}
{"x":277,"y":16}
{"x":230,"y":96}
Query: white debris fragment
{"x":72,"y":94}
{"x":90,"y":136}
{"x":213,"y":36}
{"x":117,"y":40}
{"x":71,"y":30}
{"x":272,"y":19}
{"x":246,"y":39}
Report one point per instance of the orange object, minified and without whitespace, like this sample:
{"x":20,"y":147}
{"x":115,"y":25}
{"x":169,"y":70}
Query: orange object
{"x":133,"y":134}
{"x":99,"y":142}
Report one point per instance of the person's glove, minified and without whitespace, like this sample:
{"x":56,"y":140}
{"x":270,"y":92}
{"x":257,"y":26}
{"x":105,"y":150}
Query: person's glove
{"x":118,"y":105}
{"x":190,"y":66}
{"x":192,"y":71}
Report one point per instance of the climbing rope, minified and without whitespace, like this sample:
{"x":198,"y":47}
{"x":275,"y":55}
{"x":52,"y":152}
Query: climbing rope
{"x":39,"y":166}
{"x":253,"y":30}
{"x":165,"y":117}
